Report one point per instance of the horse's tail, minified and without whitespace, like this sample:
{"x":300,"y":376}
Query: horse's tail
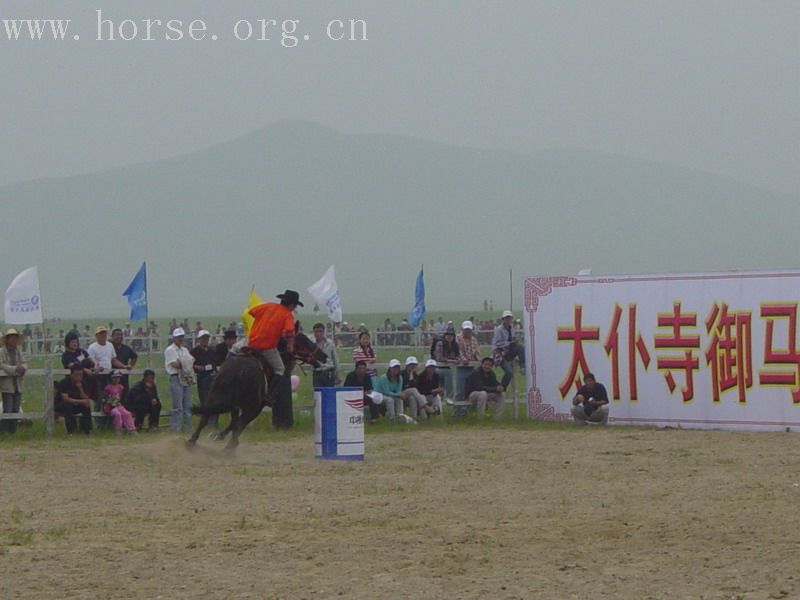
{"x":217,"y":402}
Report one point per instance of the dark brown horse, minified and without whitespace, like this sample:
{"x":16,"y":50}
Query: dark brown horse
{"x":241,"y":387}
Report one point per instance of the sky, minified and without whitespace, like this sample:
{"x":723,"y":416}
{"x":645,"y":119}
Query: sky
{"x":709,"y":85}
{"x":712,"y":86}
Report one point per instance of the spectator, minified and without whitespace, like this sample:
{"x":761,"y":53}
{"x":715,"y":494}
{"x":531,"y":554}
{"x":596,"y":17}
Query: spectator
{"x":429,"y":385}
{"x":360,"y":378}
{"x":390,"y":386}
{"x":505,"y":348}
{"x":13,"y":365}
{"x":143,"y":400}
{"x":327,"y":374}
{"x":74,"y":355}
{"x":104,"y":358}
{"x":482,"y":387}
{"x":364,"y":351}
{"x":415,"y":401}
{"x":112,"y":398}
{"x":224,"y":347}
{"x":447,"y":355}
{"x":125,"y":355}
{"x":205,"y":366}
{"x":178,"y":364}
{"x":468,"y":355}
{"x":590,"y":404}
{"x":71,"y":399}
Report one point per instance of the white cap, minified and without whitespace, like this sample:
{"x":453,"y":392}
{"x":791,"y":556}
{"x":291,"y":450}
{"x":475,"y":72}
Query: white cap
{"x":394,"y":363}
{"x":202,"y":332}
{"x":467,"y":325}
{"x":412,"y":360}
{"x":508,"y":313}
{"x":430,"y":363}
{"x":178,"y":331}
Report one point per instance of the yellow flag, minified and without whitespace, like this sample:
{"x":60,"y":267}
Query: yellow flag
{"x":254,"y":300}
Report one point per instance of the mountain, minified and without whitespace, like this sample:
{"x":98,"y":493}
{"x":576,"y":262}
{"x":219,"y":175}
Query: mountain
{"x":276,"y":207}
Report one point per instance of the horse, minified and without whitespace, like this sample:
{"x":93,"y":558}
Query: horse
{"x":241,"y":387}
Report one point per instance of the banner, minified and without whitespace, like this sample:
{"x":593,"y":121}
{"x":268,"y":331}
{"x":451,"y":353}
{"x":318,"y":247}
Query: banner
{"x":326,"y":292}
{"x":704,"y":350}
{"x":252,"y":301}
{"x":136,"y":294}
{"x":418,"y":312}
{"x":23,"y":302}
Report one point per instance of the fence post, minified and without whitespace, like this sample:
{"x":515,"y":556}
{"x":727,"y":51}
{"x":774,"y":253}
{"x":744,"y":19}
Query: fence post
{"x":49,"y":401}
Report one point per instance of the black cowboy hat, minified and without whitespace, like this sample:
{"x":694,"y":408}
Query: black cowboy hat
{"x":290,"y":297}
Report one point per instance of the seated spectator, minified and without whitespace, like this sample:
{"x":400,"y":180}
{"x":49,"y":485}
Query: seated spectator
{"x":468,"y":356}
{"x":416,"y":402}
{"x":591,"y":402}
{"x":390,"y":385}
{"x":360,"y":378}
{"x":71,"y":399}
{"x":143,"y":400}
{"x":74,"y":355}
{"x":482,"y":387}
{"x":364,"y":351}
{"x":505,"y":348}
{"x":429,"y":386}
{"x":112,"y":404}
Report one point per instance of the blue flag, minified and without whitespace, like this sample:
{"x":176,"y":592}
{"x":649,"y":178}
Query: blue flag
{"x":418,"y":312}
{"x":136,"y":294}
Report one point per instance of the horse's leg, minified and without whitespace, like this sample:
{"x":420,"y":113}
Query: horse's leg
{"x":234,"y":418}
{"x":248,"y":414}
{"x":190,"y":443}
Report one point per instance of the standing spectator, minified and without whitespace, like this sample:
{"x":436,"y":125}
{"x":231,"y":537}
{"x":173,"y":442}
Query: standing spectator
{"x":71,"y":399}
{"x":13,"y":365}
{"x":468,"y":355}
{"x":143,"y":400}
{"x":364,"y":351}
{"x":447,"y":355}
{"x":224,"y":347}
{"x":112,"y":397}
{"x":482,"y":387}
{"x":359,"y":377}
{"x":104,"y":358}
{"x":126,"y":355}
{"x":178,"y":363}
{"x":205,"y":368}
{"x":429,"y":385}
{"x":390,"y":386}
{"x":415,"y":401}
{"x":505,"y":348}
{"x":327,"y":374}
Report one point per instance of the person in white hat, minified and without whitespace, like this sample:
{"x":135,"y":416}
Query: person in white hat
{"x":417,"y":402}
{"x":390,"y":385}
{"x":468,"y":356}
{"x":505,"y":347}
{"x":178,"y":363}
{"x":13,"y":365}
{"x":430,"y":386}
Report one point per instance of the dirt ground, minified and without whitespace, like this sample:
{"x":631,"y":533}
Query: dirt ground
{"x":450,"y":513}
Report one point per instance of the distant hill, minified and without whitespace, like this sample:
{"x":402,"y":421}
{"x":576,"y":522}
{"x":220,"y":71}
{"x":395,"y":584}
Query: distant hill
{"x":278,"y":206}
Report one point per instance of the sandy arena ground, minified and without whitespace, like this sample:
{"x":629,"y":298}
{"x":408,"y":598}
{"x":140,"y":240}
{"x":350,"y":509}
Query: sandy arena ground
{"x":448,"y":513}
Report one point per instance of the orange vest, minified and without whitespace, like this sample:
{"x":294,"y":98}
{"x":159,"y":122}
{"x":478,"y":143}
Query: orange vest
{"x":272,"y":322}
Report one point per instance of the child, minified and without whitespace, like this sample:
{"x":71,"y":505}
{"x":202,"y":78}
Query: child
{"x":112,"y":395}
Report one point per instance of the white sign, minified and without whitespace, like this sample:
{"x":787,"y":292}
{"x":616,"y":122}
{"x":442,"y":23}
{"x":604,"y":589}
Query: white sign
{"x":23,"y":302}
{"x":326,"y":292}
{"x":705,"y":350}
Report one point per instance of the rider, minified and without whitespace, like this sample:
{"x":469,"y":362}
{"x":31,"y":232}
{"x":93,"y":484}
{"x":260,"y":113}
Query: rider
{"x":273,"y":322}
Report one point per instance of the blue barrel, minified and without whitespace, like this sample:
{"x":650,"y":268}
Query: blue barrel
{"x":339,"y":423}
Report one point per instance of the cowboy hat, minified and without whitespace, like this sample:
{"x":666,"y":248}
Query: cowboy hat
{"x":291,"y":297}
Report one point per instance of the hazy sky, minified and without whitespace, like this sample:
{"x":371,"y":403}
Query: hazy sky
{"x":710,"y":85}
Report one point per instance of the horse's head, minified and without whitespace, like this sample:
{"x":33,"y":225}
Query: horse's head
{"x":305,"y":350}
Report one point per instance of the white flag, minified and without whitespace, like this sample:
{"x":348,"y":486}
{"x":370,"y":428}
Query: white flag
{"x":23,"y":300}
{"x":325,"y":291}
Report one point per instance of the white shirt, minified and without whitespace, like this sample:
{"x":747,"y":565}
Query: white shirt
{"x":174,"y":353}
{"x":102,"y":354}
